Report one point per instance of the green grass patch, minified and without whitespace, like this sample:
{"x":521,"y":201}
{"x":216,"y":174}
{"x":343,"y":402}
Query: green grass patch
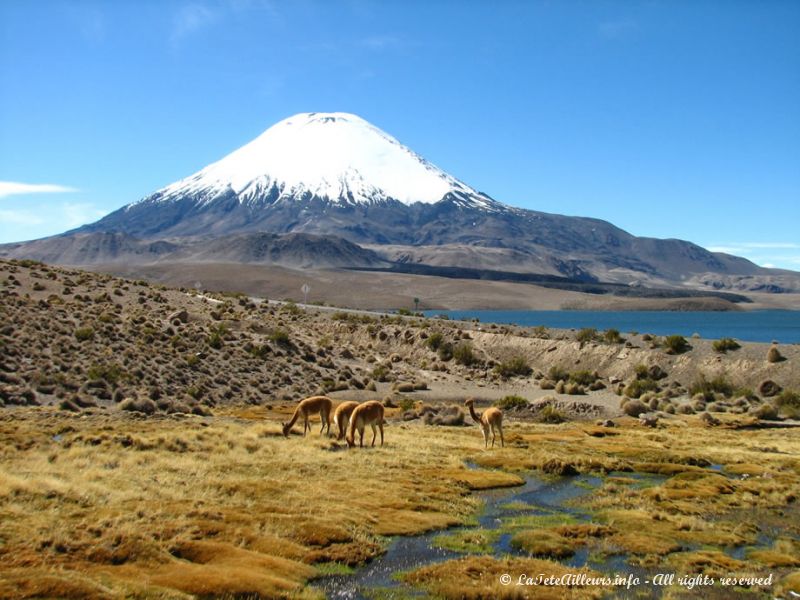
{"x":334,"y":568}
{"x":470,"y":541}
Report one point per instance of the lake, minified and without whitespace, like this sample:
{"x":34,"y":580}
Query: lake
{"x":752,"y":326}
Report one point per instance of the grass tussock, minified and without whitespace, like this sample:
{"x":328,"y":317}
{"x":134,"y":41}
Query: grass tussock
{"x":210,"y":508}
{"x":226,"y":506}
{"x":478,"y":577}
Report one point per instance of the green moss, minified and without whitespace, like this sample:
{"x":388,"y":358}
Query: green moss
{"x":334,"y":568}
{"x":470,"y":541}
{"x":550,"y":519}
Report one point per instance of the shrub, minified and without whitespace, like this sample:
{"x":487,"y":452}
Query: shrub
{"x":707,"y":389}
{"x":582,"y":377}
{"x":215,"y":338}
{"x":612,"y":336}
{"x":540,"y":331}
{"x":637,"y":387}
{"x":280,"y":337}
{"x":634,"y":408}
{"x":142,"y":405}
{"x":380,"y":373}
{"x":515,"y":366}
{"x":261,"y":351}
{"x":83,"y":334}
{"x":774,"y":355}
{"x":291,"y":307}
{"x":557,"y":374}
{"x":511,"y":402}
{"x":463,"y":354}
{"x":445,"y":351}
{"x":587,"y":334}
{"x":109,"y":373}
{"x":676,"y":344}
{"x":449,"y":415}
{"x":434,"y":341}
{"x":788,"y":403}
{"x":406,"y":404}
{"x":641,"y":372}
{"x":724,"y":344}
{"x":550,"y":414}
{"x":766,"y":411}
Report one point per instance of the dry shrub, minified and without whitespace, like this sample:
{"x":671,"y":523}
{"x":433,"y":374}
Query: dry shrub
{"x":634,"y":408}
{"x":142,"y":405}
{"x":774,"y":355}
{"x":450,"y":416}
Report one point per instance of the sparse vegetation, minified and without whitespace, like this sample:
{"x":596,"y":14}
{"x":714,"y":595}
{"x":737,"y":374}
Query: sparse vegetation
{"x":551,"y":415}
{"x":587,"y":334}
{"x":637,"y":387}
{"x":517,"y":366}
{"x":774,"y":355}
{"x":676,"y":344}
{"x":511,"y":403}
{"x":582,"y":377}
{"x":464,"y":355}
{"x":280,"y":337}
{"x":445,"y":351}
{"x":434,"y":341}
{"x":557,"y":374}
{"x":726,"y":344}
{"x":709,"y":388}
{"x":788,"y":404}
{"x":83,"y":334}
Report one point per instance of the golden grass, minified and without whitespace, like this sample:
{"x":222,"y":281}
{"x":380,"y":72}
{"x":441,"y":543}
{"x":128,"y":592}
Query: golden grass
{"x":478,"y":578}
{"x":99,"y":505}
{"x":210,"y":506}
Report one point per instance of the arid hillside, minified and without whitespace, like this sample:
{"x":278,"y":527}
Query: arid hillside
{"x":77,"y":339}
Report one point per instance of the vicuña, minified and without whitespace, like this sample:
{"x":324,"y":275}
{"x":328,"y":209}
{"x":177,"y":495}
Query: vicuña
{"x":341,"y":417}
{"x":306,"y":408}
{"x":370,"y":413}
{"x":490,"y":419}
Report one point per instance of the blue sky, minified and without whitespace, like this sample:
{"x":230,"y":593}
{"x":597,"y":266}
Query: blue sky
{"x":667,"y":118}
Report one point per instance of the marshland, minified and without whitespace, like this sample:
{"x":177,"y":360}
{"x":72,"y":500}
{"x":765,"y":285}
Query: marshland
{"x":142,"y":452}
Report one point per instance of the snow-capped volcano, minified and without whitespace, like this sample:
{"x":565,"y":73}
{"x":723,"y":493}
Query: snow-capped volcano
{"x":326,"y":175}
{"x":335,"y":156}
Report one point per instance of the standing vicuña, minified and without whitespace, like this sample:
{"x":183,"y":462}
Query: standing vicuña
{"x":341,"y":417}
{"x":306,"y":408}
{"x":370,"y":413}
{"x":490,"y":419}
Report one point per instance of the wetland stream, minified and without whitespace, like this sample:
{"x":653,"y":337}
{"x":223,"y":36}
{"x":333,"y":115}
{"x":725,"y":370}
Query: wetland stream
{"x":540,"y":502}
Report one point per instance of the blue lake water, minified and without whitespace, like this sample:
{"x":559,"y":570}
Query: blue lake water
{"x":752,"y":326}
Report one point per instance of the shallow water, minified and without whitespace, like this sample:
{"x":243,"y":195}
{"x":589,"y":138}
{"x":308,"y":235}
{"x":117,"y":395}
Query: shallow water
{"x":547,"y":497}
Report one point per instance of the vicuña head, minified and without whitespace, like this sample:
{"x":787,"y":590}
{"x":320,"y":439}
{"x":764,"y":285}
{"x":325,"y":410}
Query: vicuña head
{"x":490,"y":420}
{"x":370,"y":413}
{"x":306,"y":408}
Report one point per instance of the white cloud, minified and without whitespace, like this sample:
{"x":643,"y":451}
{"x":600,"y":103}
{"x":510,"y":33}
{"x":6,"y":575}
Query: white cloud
{"x":13,"y":188}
